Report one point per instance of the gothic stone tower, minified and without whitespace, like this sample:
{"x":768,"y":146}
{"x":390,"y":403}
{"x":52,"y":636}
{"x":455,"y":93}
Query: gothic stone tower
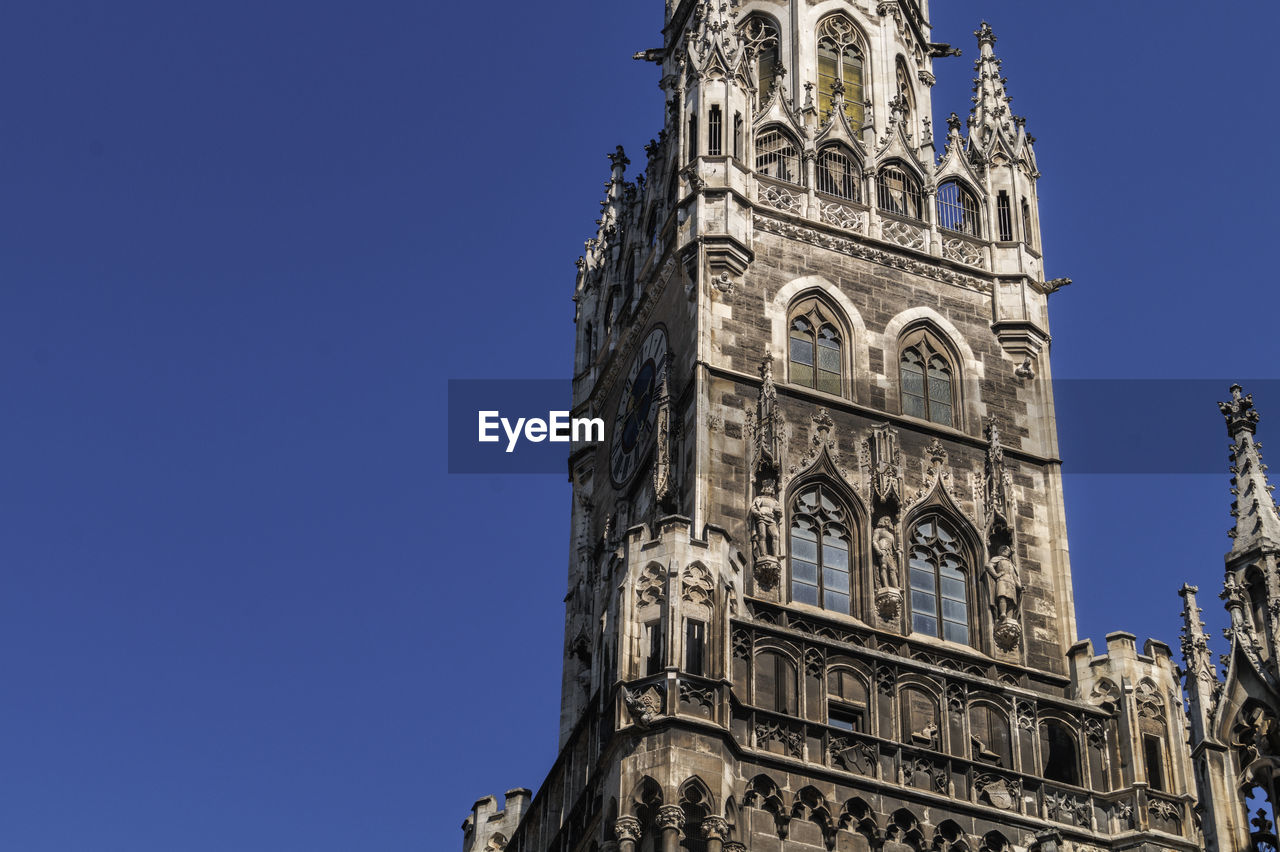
{"x":819,"y":593}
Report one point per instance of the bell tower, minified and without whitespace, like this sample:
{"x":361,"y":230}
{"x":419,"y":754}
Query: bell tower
{"x":818,"y":590}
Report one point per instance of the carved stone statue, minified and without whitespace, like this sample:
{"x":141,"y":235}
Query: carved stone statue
{"x":1005,"y":586}
{"x":765,"y":517}
{"x":885,"y":545}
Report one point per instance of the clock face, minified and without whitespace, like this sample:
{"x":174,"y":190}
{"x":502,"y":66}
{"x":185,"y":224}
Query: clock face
{"x":633,"y":424}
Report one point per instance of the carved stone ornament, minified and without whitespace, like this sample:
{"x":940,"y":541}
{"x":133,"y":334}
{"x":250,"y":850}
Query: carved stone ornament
{"x":626,"y":828}
{"x":889,"y":605}
{"x":858,"y":758}
{"x":646,"y":707}
{"x":734,"y":846}
{"x":715,"y":828}
{"x":884,"y":457}
{"x":998,"y":792}
{"x":670,"y":817}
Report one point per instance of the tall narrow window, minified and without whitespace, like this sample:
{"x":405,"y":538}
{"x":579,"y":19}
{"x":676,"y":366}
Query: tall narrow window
{"x":695,"y":646}
{"x":776,"y":156}
{"x":840,"y":69}
{"x":1026,"y":222}
{"x":927,"y":383}
{"x":1153,"y":751}
{"x":958,"y":209}
{"x":838,"y":174}
{"x":693,"y":138}
{"x":776,"y":687}
{"x":898,"y":192}
{"x":816,"y":353}
{"x":737,"y":136}
{"x":1058,"y":753}
{"x":820,"y":548}
{"x":939,"y":590}
{"x":760,"y":37}
{"x":715,"y":139}
{"x":653,"y":648}
{"x":1004,"y":216}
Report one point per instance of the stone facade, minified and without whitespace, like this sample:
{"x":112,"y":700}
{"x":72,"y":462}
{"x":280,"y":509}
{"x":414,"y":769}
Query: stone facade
{"x":819,"y":590}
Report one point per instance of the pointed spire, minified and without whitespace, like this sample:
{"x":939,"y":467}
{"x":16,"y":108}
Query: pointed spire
{"x":1196,"y":659}
{"x":1257,"y":520}
{"x":990,"y":114}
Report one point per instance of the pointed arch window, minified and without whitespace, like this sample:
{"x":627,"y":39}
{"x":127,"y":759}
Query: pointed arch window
{"x":927,"y":379}
{"x":760,"y":36}
{"x":840,"y":67}
{"x":905,"y":89}
{"x":897,"y":191}
{"x":958,"y":209}
{"x":839,"y":174}
{"x":816,"y":353}
{"x":777,"y":156}
{"x":939,"y":582}
{"x":820,"y":547}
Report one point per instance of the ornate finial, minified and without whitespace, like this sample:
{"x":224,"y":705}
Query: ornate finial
{"x":619,"y":158}
{"x":1257,"y":519}
{"x":990,"y":115}
{"x":1239,"y":412}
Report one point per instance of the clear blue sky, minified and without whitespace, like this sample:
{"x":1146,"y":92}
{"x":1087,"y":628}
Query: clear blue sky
{"x":245,"y":245}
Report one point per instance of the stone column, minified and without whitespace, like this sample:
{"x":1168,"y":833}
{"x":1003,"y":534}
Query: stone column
{"x":716,"y":830}
{"x":670,"y":819}
{"x":627,"y":830}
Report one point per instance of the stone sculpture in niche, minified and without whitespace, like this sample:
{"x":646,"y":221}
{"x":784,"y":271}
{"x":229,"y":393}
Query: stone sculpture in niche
{"x":884,"y":542}
{"x":1004,"y":592}
{"x":766,"y":517}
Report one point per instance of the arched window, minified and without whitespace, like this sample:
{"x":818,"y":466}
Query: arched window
{"x":839,"y":174}
{"x":840,"y":64}
{"x":1060,"y":759}
{"x":939,"y":586}
{"x":760,"y":37}
{"x":920,"y":718}
{"x":820,"y":545}
{"x":958,"y":209}
{"x":989,"y":735}
{"x":776,"y":688}
{"x":905,"y":89}
{"x":776,"y":156}
{"x":927,"y":379}
{"x":815,"y":353}
{"x":897,"y":191}
{"x":846,"y":701}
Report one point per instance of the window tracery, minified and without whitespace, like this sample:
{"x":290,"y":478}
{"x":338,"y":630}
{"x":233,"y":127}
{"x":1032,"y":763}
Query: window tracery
{"x":840,"y":69}
{"x":815,"y":349}
{"x":820,"y":546}
{"x":927,"y":379}
{"x":939,"y":581}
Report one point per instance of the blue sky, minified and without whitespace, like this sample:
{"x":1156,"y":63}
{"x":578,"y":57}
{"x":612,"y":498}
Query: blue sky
{"x":246,"y":244}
